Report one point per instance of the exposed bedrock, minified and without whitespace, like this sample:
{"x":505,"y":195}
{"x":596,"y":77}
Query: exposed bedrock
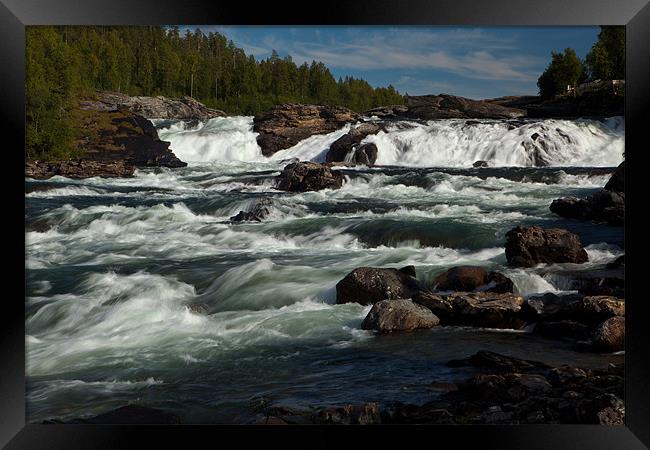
{"x":283,"y":126}
{"x":184,"y":108}
{"x":529,"y":246}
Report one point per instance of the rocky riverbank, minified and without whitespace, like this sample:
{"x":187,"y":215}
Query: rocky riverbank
{"x":113,"y":141}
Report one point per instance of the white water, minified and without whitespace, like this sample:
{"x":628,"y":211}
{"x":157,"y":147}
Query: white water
{"x":440,"y":143}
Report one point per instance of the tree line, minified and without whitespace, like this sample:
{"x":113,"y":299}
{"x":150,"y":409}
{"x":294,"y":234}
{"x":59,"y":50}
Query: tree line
{"x":605,"y":61}
{"x":70,"y":62}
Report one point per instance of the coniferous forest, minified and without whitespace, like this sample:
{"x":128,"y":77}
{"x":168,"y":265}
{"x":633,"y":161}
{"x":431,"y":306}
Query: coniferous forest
{"x":66,"y":63}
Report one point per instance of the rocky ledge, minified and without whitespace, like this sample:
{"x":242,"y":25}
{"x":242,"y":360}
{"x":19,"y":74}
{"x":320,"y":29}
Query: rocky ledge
{"x":112,"y":143}
{"x":184,"y":108}
{"x":285,"y":125}
{"x":605,"y":206}
{"x":502,"y":390}
{"x":444,"y":106}
{"x":348,"y":148}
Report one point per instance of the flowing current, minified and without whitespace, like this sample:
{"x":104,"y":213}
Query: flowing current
{"x":141,"y":290}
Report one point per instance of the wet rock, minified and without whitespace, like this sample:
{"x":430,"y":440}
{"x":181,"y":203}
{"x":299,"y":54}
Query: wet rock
{"x":603,"y":286}
{"x":366,"y":414}
{"x":258,"y":212}
{"x":529,"y":246}
{"x":609,"y":336}
{"x":480,"y":164}
{"x":479,"y":309}
{"x":369,"y":285}
{"x":350,"y":144}
{"x":271,"y":420}
{"x":78,"y":169}
{"x":473,"y":278}
{"x":589,"y":310}
{"x":444,"y":106}
{"x":429,"y":413}
{"x":617,"y":182}
{"x":497,"y":363}
{"x":184,"y":108}
{"x":398,"y":315}
{"x":562,"y":329}
{"x":308,"y":176}
{"x":135,"y":415}
{"x":618,"y":263}
{"x":285,"y":125}
{"x":603,"y":206}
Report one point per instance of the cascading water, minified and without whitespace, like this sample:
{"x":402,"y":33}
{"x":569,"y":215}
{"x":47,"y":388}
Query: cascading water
{"x":440,"y":143}
{"x":143,"y":290}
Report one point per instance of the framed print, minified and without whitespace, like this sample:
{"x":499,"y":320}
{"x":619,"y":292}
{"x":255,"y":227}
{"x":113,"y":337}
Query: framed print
{"x":263,"y":221}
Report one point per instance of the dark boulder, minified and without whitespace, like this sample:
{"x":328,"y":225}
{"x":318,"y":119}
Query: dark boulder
{"x":529,"y":246}
{"x":609,"y":336}
{"x":617,"y":182}
{"x":350,"y":144}
{"x":607,"y":286}
{"x":285,"y":125}
{"x":369,"y":285}
{"x":618,"y":263}
{"x":497,"y":363}
{"x":259,"y":211}
{"x":473,"y":278}
{"x":602,"y":206}
{"x":308,"y":176}
{"x":365,"y":414}
{"x":480,"y":163}
{"x":398,"y":315}
{"x":562,"y":329}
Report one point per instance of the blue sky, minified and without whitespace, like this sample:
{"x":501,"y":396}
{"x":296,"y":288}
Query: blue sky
{"x":475,"y":62}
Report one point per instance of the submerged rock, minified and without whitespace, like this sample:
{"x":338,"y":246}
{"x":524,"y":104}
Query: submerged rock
{"x":128,"y":415}
{"x":285,"y":125}
{"x":369,"y":285}
{"x":603,"y":206}
{"x":529,"y":246}
{"x":308,"y":176}
{"x":398,"y":315}
{"x":496,"y":362}
{"x":589,"y":310}
{"x":473,"y":278}
{"x":480,"y":163}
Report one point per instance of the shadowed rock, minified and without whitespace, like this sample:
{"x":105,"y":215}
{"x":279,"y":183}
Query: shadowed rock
{"x":350,"y":144}
{"x":368,"y":285}
{"x":308,"y":176}
{"x":609,"y":336}
{"x":617,"y":182}
{"x":529,"y":246}
{"x":473,"y":278}
{"x":603,"y":206}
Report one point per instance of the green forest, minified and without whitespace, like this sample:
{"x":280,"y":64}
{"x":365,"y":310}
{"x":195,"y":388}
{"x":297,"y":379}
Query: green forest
{"x":68,"y":63}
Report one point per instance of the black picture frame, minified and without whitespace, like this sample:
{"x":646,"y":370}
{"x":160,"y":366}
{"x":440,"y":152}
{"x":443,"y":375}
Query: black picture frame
{"x":16,"y":14}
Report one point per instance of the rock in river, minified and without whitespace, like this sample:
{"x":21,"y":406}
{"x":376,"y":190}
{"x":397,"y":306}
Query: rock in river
{"x":285,"y":125}
{"x":398,"y":315}
{"x":473,"y":278}
{"x":529,"y":246}
{"x":305,"y":176}
{"x":369,"y":285}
